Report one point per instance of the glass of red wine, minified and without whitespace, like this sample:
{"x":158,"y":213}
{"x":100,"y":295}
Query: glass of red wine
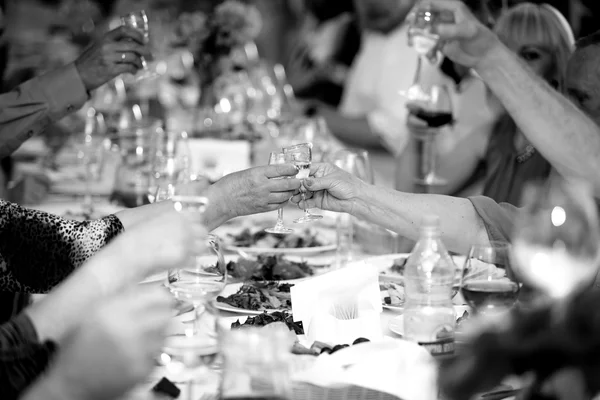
{"x":488,"y":285}
{"x":433,"y":106}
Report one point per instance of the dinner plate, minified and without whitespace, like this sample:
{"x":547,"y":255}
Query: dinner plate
{"x":304,"y":251}
{"x":232,"y":289}
{"x":396,"y":324}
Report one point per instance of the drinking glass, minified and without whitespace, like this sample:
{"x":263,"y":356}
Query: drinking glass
{"x":434,"y":106}
{"x":89,"y":148}
{"x":555,"y":242}
{"x":190,"y":356}
{"x":171,"y":164}
{"x":301,"y":156}
{"x":356,"y":162}
{"x":279,"y":228}
{"x":487,"y":283}
{"x":139,"y":20}
{"x":421,"y":31}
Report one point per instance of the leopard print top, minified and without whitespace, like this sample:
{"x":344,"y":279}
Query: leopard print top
{"x":38,"y":250}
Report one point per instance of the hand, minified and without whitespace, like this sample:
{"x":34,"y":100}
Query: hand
{"x":256,"y":190}
{"x":118,"y":52}
{"x":467,"y":41}
{"x":417,"y":127}
{"x":114,"y":348}
{"x":30,"y":189}
{"x":332,"y":189}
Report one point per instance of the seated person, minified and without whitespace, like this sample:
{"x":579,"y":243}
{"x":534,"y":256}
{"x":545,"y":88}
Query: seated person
{"x":543,"y":40}
{"x":327,"y":44}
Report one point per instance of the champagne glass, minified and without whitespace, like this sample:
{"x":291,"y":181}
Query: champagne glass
{"x":171,"y":164}
{"x":434,"y":106}
{"x":279,"y":228}
{"x":90,"y":152}
{"x":139,"y":21}
{"x":421,"y":31}
{"x":555,"y":243}
{"x":487,"y":283}
{"x":301,"y":156}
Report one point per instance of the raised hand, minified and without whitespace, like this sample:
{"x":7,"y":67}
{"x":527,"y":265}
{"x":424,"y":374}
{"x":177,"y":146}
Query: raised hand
{"x":118,"y":52}
{"x":466,"y":41}
{"x":256,"y":190}
{"x":112,"y":350}
{"x":330,"y":188}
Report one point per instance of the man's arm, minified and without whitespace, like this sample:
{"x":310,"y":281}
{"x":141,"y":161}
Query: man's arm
{"x":32,"y":106}
{"x":563,"y":134}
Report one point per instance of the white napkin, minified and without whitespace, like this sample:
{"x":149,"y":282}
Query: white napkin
{"x":397,"y":367}
{"x":317,"y":303}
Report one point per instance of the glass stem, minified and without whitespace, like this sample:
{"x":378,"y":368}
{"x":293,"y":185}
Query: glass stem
{"x":88,"y":204}
{"x":304,"y":201}
{"x":280,"y":217}
{"x":190,"y":385}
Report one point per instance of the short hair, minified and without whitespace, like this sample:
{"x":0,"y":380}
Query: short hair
{"x":588,"y":41}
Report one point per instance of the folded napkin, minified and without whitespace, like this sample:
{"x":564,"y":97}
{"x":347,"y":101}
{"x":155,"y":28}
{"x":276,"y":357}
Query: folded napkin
{"x":397,"y":367}
{"x":340,"y":306}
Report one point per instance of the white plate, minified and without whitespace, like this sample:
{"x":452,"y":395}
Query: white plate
{"x":396,"y":324}
{"x":232,"y":289}
{"x":305,"y":251}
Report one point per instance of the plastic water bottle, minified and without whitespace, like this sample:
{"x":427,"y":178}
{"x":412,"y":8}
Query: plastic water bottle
{"x":428,"y":277}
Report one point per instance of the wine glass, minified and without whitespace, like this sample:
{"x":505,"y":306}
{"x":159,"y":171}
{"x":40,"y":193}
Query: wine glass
{"x":487,"y":283}
{"x":171,"y":165}
{"x":189,"y":356}
{"x":139,"y":20}
{"x":301,"y":156}
{"x":555,"y":242}
{"x":432,"y":105}
{"x":279,"y":228}
{"x":89,"y":148}
{"x":421,"y":31}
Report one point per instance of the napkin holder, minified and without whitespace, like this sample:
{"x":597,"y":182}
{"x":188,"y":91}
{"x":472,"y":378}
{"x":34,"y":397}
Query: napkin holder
{"x":340,"y":306}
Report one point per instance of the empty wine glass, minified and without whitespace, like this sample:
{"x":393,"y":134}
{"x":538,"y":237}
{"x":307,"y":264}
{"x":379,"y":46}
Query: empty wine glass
{"x":171,"y":165}
{"x":487,"y":283}
{"x":139,"y":20}
{"x":279,"y":228}
{"x":433,"y":105}
{"x":89,"y":148}
{"x":301,"y":156}
{"x":421,"y":31}
{"x":555,"y":245}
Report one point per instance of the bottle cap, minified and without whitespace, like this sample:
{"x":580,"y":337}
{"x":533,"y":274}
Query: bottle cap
{"x":431,"y":221}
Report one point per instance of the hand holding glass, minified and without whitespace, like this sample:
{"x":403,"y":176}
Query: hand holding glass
{"x":279,"y":228}
{"x":301,"y":156}
{"x":139,"y":21}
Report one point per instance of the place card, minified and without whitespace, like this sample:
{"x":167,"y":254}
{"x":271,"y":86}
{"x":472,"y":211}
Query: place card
{"x":340,"y":306}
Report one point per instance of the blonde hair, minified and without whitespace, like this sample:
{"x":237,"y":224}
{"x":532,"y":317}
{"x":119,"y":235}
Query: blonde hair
{"x":542,"y":26}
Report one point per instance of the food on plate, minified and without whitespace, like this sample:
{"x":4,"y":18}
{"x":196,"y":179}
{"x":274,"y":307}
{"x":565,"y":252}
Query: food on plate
{"x":318,"y":348}
{"x":399,"y":265}
{"x":262,"y":239}
{"x":269,"y":318}
{"x":260,"y":296}
{"x":268,"y":268}
{"x":462,"y":319}
{"x":392,"y":293}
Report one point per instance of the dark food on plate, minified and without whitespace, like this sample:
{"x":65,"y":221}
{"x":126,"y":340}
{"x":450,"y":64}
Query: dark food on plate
{"x":318,"y":348}
{"x":260,"y":238}
{"x":395,"y":294}
{"x":268,"y":268}
{"x":269,"y":318}
{"x":261,"y":296}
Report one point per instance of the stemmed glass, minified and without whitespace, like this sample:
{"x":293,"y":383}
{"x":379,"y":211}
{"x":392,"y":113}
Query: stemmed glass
{"x":170,"y":167}
{"x":301,"y":156}
{"x":487,"y":282}
{"x":279,"y":228}
{"x":139,"y":21}
{"x":90,"y":151}
{"x":421,"y":31}
{"x":555,"y":242}
{"x":433,"y":105}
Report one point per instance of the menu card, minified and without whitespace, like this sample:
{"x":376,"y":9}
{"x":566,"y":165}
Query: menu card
{"x":340,"y":306}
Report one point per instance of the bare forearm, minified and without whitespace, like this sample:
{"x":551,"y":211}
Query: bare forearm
{"x":402,"y":212}
{"x":563,"y":134}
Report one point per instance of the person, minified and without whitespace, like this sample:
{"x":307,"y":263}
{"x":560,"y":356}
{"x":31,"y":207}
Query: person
{"x":111,"y":351}
{"x":29,"y":341}
{"x":544,"y":41}
{"x":563,"y":133}
{"x":38,"y":250}
{"x":328,"y":43}
{"x":371,"y":110}
{"x":29,"y":108}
